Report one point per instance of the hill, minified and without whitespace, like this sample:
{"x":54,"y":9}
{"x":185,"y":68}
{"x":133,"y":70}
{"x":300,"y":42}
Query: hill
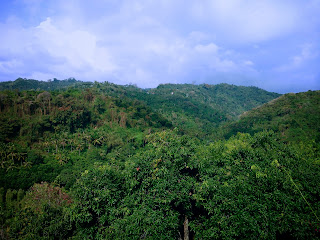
{"x":31,"y":84}
{"x":45,"y":129}
{"x":197,"y":109}
{"x":230,"y":99}
{"x":200,"y":109}
{"x":294,"y":117}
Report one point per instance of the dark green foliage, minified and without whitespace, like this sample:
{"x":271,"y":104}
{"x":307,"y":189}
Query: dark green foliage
{"x":98,"y":193}
{"x":148,"y":198}
{"x":42,"y":214}
{"x":103,"y":161}
{"x":9,"y":128}
{"x":43,"y":133}
{"x":29,"y":84}
{"x":244,"y":188}
{"x":294,"y":117}
{"x":198,"y":109}
{"x":252,"y":188}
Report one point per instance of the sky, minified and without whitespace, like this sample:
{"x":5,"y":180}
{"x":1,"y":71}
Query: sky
{"x":271,"y":44}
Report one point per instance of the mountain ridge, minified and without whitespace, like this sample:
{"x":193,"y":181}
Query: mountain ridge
{"x":197,"y":109}
{"x":294,"y":116}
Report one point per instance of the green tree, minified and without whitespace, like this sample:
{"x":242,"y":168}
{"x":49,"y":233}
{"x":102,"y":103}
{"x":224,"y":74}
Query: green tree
{"x":256,"y":187}
{"x":151,"y":198}
{"x":43,"y":214}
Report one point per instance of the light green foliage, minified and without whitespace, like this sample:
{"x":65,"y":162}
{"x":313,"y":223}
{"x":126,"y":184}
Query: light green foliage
{"x":294,"y":117}
{"x":199,"y":109}
{"x":247,"y":194}
{"x":148,"y":199}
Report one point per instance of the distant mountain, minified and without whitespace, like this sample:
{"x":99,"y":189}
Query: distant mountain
{"x":196,"y":109}
{"x":31,"y":84}
{"x":230,"y":99}
{"x":200,"y":109}
{"x":295,"y":117}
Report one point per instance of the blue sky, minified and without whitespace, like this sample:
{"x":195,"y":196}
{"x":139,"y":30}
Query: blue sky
{"x":272,"y":44}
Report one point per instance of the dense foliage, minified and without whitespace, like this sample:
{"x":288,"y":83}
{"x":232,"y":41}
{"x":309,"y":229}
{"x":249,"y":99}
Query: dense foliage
{"x":31,"y":84}
{"x":103,"y":161}
{"x":295,"y":117}
{"x":52,"y":132}
{"x":197,"y":109}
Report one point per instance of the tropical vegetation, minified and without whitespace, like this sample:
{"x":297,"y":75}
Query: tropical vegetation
{"x":102,"y":161}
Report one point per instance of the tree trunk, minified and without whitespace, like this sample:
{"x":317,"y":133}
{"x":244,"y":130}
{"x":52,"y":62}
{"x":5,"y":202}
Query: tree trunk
{"x":186,"y":229}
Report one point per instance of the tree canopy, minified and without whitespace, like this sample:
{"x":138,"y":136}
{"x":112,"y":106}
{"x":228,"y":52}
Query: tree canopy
{"x":104,"y":161}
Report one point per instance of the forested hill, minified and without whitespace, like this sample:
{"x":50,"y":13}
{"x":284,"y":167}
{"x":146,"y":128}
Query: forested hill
{"x":104,"y":161}
{"x":31,"y":84}
{"x":38,"y":126}
{"x":197,"y":109}
{"x":295,"y":117}
{"x":230,"y":99}
{"x":200,"y":109}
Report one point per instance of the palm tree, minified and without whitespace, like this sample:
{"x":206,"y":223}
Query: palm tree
{"x":46,"y":145}
{"x":72,"y":143}
{"x":27,"y":164}
{"x":98,"y":141}
{"x":62,"y":159}
{"x":87,"y":138}
{"x":80,"y":147}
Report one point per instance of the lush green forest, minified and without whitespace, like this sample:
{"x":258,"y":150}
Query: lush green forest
{"x":295,"y":117}
{"x":102,"y":161}
{"x":31,"y":84}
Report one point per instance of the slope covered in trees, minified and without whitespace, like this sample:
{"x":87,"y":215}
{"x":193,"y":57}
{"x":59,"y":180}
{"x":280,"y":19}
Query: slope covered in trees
{"x":104,"y":161}
{"x":197,"y":109}
{"x":200,"y":109}
{"x":295,"y":117}
{"x":52,"y":128}
{"x":31,"y":84}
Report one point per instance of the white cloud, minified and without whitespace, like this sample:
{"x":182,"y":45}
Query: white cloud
{"x":210,"y":48}
{"x":57,"y":52}
{"x":248,"y":21}
{"x":147,"y":42}
{"x":78,"y":47}
{"x":248,"y":63}
{"x":307,"y":53}
{"x":8,"y":65}
{"x":143,"y":51}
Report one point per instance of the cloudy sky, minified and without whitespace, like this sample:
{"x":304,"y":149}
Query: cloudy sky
{"x":272,"y":44}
